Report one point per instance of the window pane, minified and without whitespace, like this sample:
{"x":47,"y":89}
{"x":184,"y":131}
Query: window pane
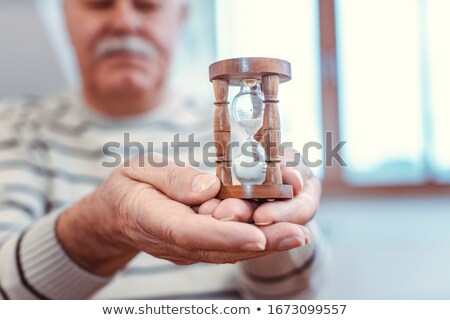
{"x":438,"y":12}
{"x":289,"y":31}
{"x":380,"y":90}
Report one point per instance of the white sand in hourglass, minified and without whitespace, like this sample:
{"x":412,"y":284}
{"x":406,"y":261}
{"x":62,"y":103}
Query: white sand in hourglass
{"x":248,"y":170}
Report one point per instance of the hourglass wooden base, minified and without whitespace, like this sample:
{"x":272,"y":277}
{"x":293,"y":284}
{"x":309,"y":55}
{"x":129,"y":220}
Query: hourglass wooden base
{"x":257,"y":192}
{"x":269,"y":73}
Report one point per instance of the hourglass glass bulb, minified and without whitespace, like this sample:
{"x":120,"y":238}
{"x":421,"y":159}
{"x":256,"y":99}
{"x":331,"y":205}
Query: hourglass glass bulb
{"x":249,"y":165}
{"x":248,"y":106}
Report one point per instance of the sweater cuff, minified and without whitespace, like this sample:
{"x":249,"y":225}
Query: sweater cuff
{"x":46,"y":269}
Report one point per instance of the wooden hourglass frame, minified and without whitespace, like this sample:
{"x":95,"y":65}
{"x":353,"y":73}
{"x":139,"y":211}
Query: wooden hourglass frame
{"x":270,"y":73}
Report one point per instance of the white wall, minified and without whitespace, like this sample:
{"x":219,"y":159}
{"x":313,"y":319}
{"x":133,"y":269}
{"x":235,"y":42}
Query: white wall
{"x":28,"y":62}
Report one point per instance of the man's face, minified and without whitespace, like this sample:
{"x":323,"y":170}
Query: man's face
{"x":124,"y":47}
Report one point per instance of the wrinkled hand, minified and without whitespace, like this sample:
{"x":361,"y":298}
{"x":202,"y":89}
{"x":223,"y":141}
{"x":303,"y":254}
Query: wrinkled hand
{"x":282,"y":222}
{"x":152,"y":207}
{"x":148,"y":208}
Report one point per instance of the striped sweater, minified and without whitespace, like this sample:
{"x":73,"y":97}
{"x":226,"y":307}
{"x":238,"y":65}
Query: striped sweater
{"x":52,"y":155}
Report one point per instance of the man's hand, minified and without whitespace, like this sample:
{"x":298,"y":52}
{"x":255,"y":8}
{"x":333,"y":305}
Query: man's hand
{"x":149,"y":209}
{"x":277,"y":219}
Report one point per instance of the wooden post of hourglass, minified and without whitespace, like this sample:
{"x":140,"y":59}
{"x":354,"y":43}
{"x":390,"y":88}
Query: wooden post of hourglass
{"x":222,"y":132}
{"x":271,"y":129}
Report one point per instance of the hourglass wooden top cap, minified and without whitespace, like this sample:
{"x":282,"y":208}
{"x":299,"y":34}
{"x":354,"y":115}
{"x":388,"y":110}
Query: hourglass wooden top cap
{"x":235,"y":70}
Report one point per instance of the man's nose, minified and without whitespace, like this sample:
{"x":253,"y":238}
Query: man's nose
{"x":125,"y":18}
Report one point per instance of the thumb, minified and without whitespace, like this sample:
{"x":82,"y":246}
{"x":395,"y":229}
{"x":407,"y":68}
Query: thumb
{"x":186,"y":185}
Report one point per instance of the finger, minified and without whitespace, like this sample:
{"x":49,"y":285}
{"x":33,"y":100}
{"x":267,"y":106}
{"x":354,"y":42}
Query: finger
{"x":234,"y":210}
{"x":186,"y":185}
{"x":183,"y":257}
{"x":208,"y":207}
{"x":218,"y":257}
{"x":298,"y":210}
{"x":294,"y":160}
{"x":177,"y":224}
{"x":284,"y":236}
{"x":292,"y":177}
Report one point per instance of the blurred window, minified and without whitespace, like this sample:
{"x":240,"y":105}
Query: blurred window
{"x":394,"y":93}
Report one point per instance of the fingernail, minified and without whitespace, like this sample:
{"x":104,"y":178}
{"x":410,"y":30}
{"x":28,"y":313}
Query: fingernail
{"x":290,"y":243}
{"x":304,"y":229}
{"x":263,"y":224}
{"x":228,"y":218}
{"x":203,"y":182}
{"x":307,"y":233}
{"x":253,"y":247}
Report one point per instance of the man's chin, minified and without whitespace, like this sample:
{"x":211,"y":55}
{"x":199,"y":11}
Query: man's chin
{"x":129,"y":85}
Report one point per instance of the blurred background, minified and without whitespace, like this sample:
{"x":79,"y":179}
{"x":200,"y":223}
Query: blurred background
{"x":375,"y":73}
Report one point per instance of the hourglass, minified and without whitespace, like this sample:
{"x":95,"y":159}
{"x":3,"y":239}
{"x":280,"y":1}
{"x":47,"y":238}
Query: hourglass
{"x":255,"y":108}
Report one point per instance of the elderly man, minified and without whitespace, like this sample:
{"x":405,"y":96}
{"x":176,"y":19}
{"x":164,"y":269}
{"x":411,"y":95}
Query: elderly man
{"x":71,"y":228}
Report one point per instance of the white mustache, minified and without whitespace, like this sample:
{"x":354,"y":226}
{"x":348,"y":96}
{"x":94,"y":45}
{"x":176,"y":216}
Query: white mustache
{"x":130,"y":44}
